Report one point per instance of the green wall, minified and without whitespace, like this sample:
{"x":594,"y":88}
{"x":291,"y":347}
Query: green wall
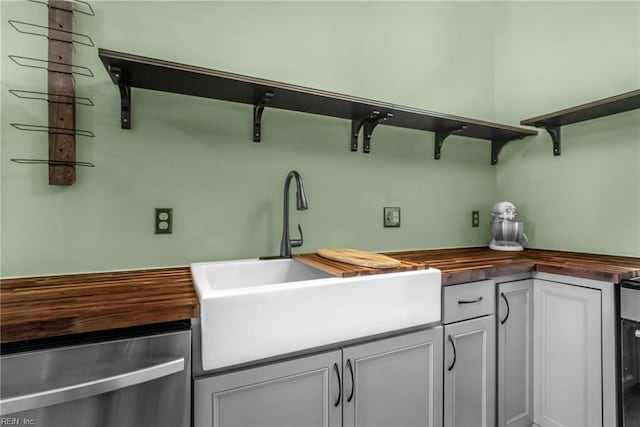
{"x":554,"y":56}
{"x":488,"y":60}
{"x":196,"y":155}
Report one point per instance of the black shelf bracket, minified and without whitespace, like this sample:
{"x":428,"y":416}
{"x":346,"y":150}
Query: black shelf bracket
{"x":437,"y":143}
{"x":554,"y":132}
{"x":125,"y":95}
{"x":369,"y":122}
{"x":369,"y":126}
{"x":356,"y":125}
{"x":441,"y":136}
{"x":496,"y":146}
{"x":258,"y":109}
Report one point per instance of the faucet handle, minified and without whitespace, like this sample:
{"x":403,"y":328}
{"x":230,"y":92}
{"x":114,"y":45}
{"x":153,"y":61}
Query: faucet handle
{"x":296,"y":243}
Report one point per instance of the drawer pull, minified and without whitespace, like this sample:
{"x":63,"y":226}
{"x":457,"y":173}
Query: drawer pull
{"x":464,"y":301}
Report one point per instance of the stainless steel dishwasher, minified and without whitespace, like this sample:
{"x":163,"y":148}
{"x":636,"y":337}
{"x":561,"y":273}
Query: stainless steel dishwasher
{"x":629,"y":337}
{"x":139,"y":377}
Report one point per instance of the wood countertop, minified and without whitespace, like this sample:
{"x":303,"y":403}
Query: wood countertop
{"x":471,"y":264}
{"x":40,"y":307}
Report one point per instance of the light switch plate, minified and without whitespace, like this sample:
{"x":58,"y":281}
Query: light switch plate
{"x":164,"y":221}
{"x":391,"y":217}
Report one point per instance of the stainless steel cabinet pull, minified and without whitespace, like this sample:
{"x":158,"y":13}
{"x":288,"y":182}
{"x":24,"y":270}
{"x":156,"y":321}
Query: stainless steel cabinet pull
{"x":41,"y":399}
{"x":508,"y":309}
{"x":455,"y":356}
{"x":337,"y":369}
{"x":353,"y":384}
{"x":470,"y":301}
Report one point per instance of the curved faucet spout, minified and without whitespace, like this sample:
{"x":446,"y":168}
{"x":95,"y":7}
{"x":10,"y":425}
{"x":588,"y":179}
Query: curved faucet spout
{"x":301,"y":204}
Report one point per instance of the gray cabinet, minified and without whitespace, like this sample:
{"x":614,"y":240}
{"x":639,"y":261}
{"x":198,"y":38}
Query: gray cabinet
{"x":568,"y":351}
{"x":298,"y":393}
{"x":394,"y":382}
{"x":390,"y":382}
{"x":469,"y":373}
{"x":470,"y":355}
{"x":515,"y":353}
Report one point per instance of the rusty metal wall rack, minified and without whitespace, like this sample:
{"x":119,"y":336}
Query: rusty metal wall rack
{"x":132,"y":71}
{"x":553,"y":122}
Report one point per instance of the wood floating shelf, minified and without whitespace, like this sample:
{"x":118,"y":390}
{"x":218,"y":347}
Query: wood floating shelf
{"x":552,"y":122}
{"x":129,"y":71}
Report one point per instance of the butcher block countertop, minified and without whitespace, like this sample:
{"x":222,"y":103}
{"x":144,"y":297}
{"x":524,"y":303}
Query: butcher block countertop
{"x":41,"y":307}
{"x":471,"y":264}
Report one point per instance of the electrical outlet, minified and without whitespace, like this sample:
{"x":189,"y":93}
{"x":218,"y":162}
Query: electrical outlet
{"x":475,"y":219}
{"x":391,"y":217}
{"x":164,"y":220}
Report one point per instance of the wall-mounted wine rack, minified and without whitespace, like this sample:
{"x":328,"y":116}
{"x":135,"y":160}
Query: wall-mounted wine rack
{"x":60,"y":93}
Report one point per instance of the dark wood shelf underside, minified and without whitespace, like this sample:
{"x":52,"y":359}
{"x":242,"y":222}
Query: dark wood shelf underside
{"x":591,"y":110}
{"x":165,"y":76}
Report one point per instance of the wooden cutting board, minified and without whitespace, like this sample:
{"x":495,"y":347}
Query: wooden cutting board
{"x":358,"y":257}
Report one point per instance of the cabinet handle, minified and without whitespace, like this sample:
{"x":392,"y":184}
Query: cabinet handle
{"x":353,"y":384}
{"x":337,"y":369}
{"x":470,"y":301}
{"x":508,"y":309}
{"x":455,"y":356}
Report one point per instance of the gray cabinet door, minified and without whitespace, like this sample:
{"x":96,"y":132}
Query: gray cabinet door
{"x":515,"y":353}
{"x":567,"y":355}
{"x":303,"y":392}
{"x":394,"y":382}
{"x":469,"y":373}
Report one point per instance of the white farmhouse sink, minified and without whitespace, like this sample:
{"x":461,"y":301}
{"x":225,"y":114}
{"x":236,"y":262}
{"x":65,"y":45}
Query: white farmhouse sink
{"x":253,"y":309}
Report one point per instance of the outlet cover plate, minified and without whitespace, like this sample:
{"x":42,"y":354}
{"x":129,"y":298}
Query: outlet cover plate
{"x":391,"y":217}
{"x":475,"y":219}
{"x":164,"y":221}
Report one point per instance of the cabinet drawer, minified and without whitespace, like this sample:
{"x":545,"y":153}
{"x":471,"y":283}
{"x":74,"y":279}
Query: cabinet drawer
{"x":468,"y":300}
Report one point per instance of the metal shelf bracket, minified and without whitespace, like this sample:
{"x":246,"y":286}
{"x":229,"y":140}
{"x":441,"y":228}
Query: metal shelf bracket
{"x":437,"y":143}
{"x":496,"y":146}
{"x":441,"y":136}
{"x":258,"y":109}
{"x":369,"y":122}
{"x":554,"y":132}
{"x":369,"y":126}
{"x":357,"y":124}
{"x":125,"y":96}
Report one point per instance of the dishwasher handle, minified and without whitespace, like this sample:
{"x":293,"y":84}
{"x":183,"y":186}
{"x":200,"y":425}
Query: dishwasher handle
{"x":54,"y":396}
